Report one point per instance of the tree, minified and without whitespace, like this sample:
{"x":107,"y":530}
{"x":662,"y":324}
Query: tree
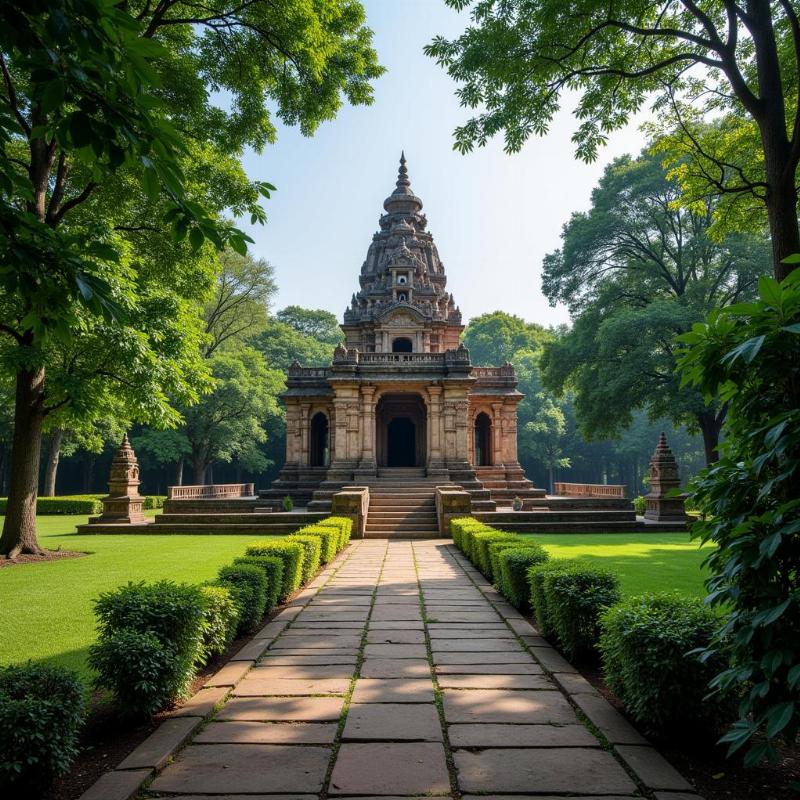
{"x":164,"y":447}
{"x":88,"y":90}
{"x":496,"y":337}
{"x":545,"y":434}
{"x":281,"y":344}
{"x":636,"y":271}
{"x":519,"y":56}
{"x":312,"y":322}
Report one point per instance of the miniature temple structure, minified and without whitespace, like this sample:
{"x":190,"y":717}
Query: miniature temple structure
{"x":663,"y":504}
{"x":402,"y":395}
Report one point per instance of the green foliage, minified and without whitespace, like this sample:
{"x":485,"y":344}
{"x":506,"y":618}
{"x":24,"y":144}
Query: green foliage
{"x":313,"y":551}
{"x":249,"y":586}
{"x":749,"y":355}
{"x":537,"y":575}
{"x":167,"y":613}
{"x":495,"y":548}
{"x":497,"y":337}
{"x":144,"y":675}
{"x":576,"y":596}
{"x":514,"y":563}
{"x":292,"y":554}
{"x":152,"y":501}
{"x":220,"y":620}
{"x":329,"y":540}
{"x":479,"y":552}
{"x":462,"y":529}
{"x":344,"y":525}
{"x":274,"y":568}
{"x":69,"y":504}
{"x":281,"y":345}
{"x":639,"y":505}
{"x":649,"y":649}
{"x":41,"y":714}
{"x":288,"y":503}
{"x":316,"y":324}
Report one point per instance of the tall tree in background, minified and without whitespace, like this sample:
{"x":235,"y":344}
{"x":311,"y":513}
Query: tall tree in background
{"x":519,"y":56}
{"x":88,"y":91}
{"x":636,"y":271}
{"x":312,"y":322}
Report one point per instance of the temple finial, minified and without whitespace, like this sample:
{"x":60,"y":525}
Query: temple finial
{"x":402,"y":173}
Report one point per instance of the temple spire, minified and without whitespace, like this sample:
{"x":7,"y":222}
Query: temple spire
{"x":402,"y":173}
{"x":402,"y":199}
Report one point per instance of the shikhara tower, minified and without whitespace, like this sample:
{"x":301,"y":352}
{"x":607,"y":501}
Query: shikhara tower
{"x":402,"y":393}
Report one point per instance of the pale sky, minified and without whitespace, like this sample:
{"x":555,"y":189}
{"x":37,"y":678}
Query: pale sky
{"x":493,"y":216}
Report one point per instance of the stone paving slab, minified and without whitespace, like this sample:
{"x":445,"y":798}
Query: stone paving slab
{"x":408,"y":690}
{"x":230,"y":674}
{"x":389,"y":769}
{"x":502,"y":705}
{"x":311,"y":672}
{"x":518,"y":657}
{"x":608,"y":720}
{"x":258,"y":686}
{"x":279,"y":658}
{"x":157,"y":748}
{"x":500,"y":735}
{"x":475,"y":645}
{"x":652,"y":768}
{"x":202,"y":703}
{"x":316,"y":641}
{"x":395,"y":651}
{"x":520,"y":682}
{"x":268,"y":733}
{"x":393,"y":722}
{"x":117,"y":785}
{"x":530,"y":668}
{"x":245,"y":768}
{"x":557,"y":770}
{"x":401,"y":668}
{"x":282,"y":709}
{"x":378,"y":636}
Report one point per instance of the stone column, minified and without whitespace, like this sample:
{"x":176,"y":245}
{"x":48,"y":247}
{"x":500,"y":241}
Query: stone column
{"x":303,"y":422}
{"x":498,"y":456}
{"x":462,"y":426}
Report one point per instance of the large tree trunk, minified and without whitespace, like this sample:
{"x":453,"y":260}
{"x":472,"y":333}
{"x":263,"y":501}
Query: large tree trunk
{"x":19,"y":529}
{"x":199,"y":466}
{"x":53,"y":457}
{"x":88,"y":472}
{"x":179,"y":472}
{"x":710,"y":426}
{"x":782,"y":214}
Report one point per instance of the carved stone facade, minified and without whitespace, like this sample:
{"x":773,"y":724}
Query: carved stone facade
{"x":401,"y":391}
{"x":123,"y":504}
{"x":664,"y":478}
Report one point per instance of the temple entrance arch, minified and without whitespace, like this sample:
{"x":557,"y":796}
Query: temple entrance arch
{"x":483,"y":440}
{"x":401,"y":426}
{"x":402,"y":345}
{"x":319,"y":441}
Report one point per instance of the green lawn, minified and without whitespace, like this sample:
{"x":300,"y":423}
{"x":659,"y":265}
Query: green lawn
{"x":46,"y":608}
{"x":645,"y":562}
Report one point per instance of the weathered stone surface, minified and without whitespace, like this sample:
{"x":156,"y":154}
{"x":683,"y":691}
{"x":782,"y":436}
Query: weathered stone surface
{"x":252,"y":651}
{"x":245,"y":768}
{"x":475,"y":646}
{"x":117,"y":785}
{"x":607,"y":720}
{"x":652,"y":769}
{"x":267,"y":733}
{"x":315,"y":642}
{"x":495,"y":682}
{"x":258,"y":686}
{"x":282,"y":709}
{"x":390,"y":768}
{"x":230,"y":674}
{"x":395,"y":651}
{"x":395,"y":637}
{"x":309,"y":672}
{"x":202,"y":703}
{"x":519,"y":657}
{"x":489,"y":669}
{"x":573,"y":683}
{"x":552,"y":660}
{"x":393,"y":722}
{"x":288,"y":659}
{"x":499,"y":735}
{"x":408,"y":690}
{"x":159,"y":745}
{"x":395,"y":668}
{"x":500,"y":705}
{"x":559,"y":770}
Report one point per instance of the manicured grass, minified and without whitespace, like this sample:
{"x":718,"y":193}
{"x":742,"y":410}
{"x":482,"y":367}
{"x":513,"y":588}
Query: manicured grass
{"x":47,"y":608}
{"x":645,"y":562}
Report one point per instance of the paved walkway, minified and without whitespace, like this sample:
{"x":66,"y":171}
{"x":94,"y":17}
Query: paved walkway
{"x":401,"y":672}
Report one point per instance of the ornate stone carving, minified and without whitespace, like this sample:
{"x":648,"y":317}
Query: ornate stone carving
{"x":124,"y":503}
{"x":664,"y":478}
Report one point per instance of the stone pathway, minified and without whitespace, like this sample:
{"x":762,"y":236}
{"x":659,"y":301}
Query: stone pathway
{"x":399,"y":671}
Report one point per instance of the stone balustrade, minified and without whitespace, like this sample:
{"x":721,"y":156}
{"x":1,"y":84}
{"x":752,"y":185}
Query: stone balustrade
{"x":213,"y":490}
{"x":590,"y":490}
{"x":401,"y":358}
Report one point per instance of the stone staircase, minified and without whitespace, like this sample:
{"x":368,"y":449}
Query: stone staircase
{"x":402,"y":505}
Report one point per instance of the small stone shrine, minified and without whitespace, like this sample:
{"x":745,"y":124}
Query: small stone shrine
{"x":124,"y":504}
{"x":663,"y":479}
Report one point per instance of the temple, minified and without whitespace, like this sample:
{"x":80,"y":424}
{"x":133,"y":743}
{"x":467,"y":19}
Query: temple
{"x":402,"y":397}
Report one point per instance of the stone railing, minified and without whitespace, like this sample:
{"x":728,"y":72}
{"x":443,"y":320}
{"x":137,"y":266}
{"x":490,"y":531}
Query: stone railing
{"x":590,"y":490}
{"x":505,"y":371}
{"x":401,"y":358}
{"x":296,"y":371}
{"x":210,"y":491}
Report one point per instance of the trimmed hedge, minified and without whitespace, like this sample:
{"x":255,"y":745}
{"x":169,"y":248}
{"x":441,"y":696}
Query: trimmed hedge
{"x":273,"y":568}
{"x":480,"y":547}
{"x":495,"y":548}
{"x":514,"y":563}
{"x":313,"y":550}
{"x":329,"y":540}
{"x":220,"y":620}
{"x":462,"y":530}
{"x":154,"y":501}
{"x":163,"y":623}
{"x":344,"y":525}
{"x":576,"y":597}
{"x":41,"y":716}
{"x":79,"y":504}
{"x":249,"y":586}
{"x":291,"y":553}
{"x":538,"y":603}
{"x":646,"y":645}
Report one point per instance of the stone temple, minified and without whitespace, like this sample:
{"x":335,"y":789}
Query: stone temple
{"x":402,"y":398}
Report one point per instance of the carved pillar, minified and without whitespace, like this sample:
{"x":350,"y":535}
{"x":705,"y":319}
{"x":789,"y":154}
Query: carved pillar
{"x":435,"y":424}
{"x":303,"y":422}
{"x":498,"y":454}
{"x":368,"y":428}
{"x":462,"y":425}
{"x":340,"y":427}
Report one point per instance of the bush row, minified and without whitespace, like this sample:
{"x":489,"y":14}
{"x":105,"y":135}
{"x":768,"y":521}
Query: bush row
{"x":79,"y":504}
{"x":152,"y":638}
{"x":646,"y":644}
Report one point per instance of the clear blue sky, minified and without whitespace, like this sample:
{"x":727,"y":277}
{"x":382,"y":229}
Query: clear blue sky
{"x":493,"y":216}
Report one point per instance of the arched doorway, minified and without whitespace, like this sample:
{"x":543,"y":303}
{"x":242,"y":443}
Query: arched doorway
{"x":318,"y":441}
{"x":402,"y":345}
{"x":400,"y":423}
{"x":483,"y":440}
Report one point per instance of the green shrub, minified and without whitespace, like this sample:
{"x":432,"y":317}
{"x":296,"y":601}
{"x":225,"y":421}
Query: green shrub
{"x":313,"y":550}
{"x":538,"y":602}
{"x":170,"y":613}
{"x":463,"y":530}
{"x":639,"y":505}
{"x":67,"y":504}
{"x":145,"y":675}
{"x":154,"y":501}
{"x":292,"y":555}
{"x":288,"y":503}
{"x":646,"y":645}
{"x":495,"y":548}
{"x":576,"y":597}
{"x":41,"y":715}
{"x":220,"y":620}
{"x":480,"y":547}
{"x":343,"y":524}
{"x":514,"y":563}
{"x":249,"y":585}
{"x":329,"y":540}
{"x":273,"y":568}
